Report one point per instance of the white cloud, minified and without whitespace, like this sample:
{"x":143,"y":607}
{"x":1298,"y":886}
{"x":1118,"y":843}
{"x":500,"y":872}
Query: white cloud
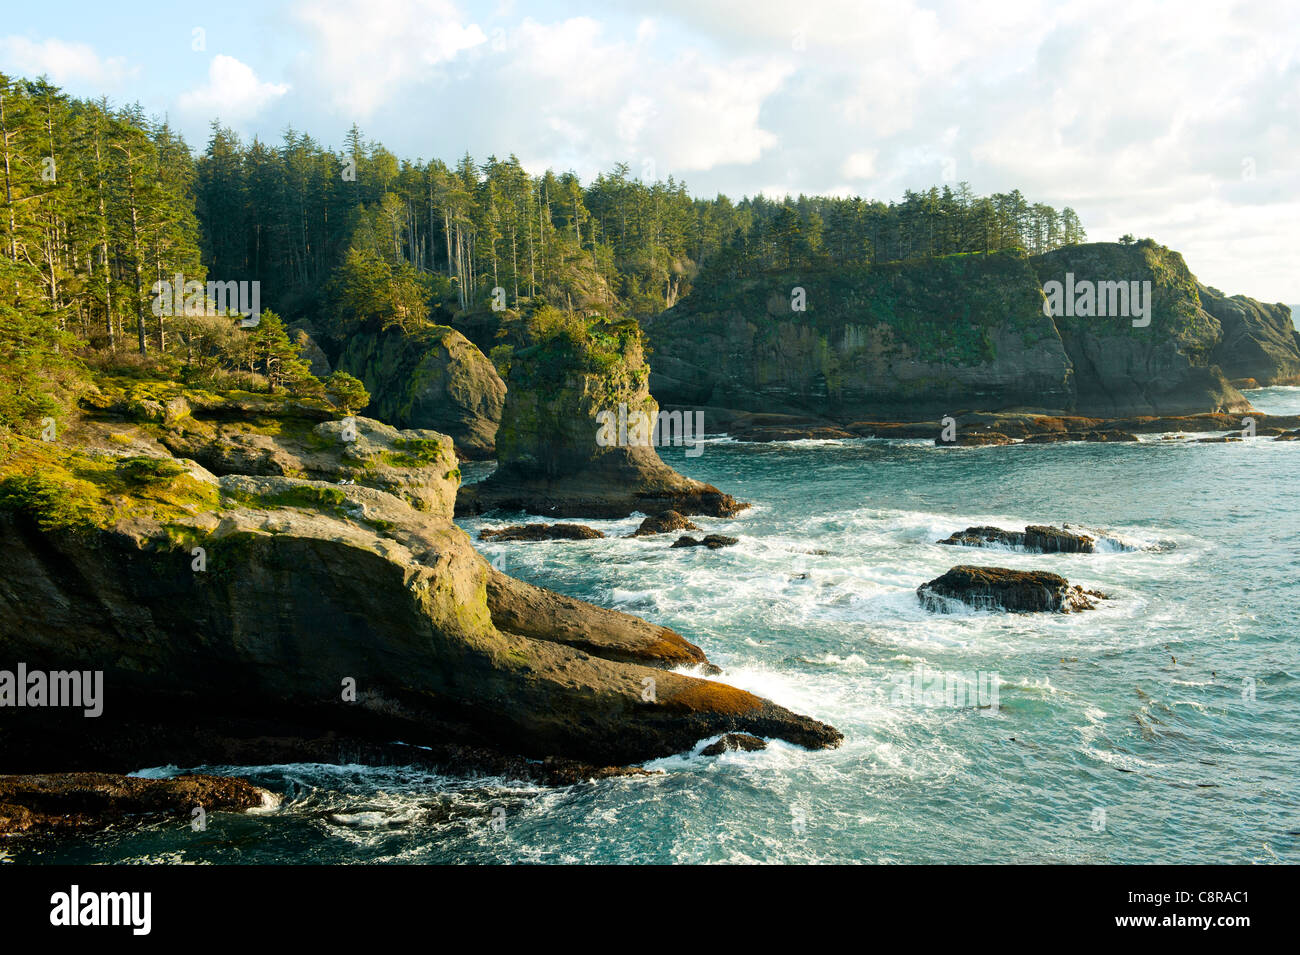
{"x":65,"y":63}
{"x":580,"y":98}
{"x":1138,"y":115}
{"x":361,"y":56}
{"x":232,"y":91}
{"x":860,"y":165}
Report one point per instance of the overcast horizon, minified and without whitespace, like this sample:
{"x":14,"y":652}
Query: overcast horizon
{"x":1177,"y":124}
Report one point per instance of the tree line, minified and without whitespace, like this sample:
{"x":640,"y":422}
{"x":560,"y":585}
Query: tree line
{"x":101,"y":203}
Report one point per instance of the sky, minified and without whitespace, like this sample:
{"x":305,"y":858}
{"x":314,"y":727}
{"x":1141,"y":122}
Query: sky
{"x":1174,"y":120}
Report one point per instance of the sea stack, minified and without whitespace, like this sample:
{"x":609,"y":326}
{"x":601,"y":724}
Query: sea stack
{"x":579,"y":430}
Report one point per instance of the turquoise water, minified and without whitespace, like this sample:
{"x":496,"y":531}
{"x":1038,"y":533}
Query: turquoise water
{"x":1126,"y":734}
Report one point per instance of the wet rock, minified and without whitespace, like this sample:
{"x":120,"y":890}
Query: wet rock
{"x":711,"y":541}
{"x":662,"y":523}
{"x":521,"y":608}
{"x":974,"y":439}
{"x":1036,"y":538}
{"x":541,"y":532}
{"x":792,"y":433}
{"x":1062,"y":436}
{"x":731,"y":742}
{"x":1055,"y":540}
{"x":999,"y":588}
{"x":54,"y":802}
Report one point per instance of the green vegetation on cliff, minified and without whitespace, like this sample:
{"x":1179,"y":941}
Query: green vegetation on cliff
{"x":940,"y":310}
{"x":69,"y":488}
{"x":1176,"y":311}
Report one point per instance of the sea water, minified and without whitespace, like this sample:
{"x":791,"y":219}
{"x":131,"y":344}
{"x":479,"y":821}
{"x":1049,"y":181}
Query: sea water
{"x":1163,"y":726}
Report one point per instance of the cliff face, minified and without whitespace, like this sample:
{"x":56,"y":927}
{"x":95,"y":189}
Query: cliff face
{"x":1259,"y":341}
{"x":435,"y":379}
{"x":566,"y":388}
{"x":909,"y":340}
{"x":261,"y":598}
{"x":1162,"y":367}
{"x":904,"y":340}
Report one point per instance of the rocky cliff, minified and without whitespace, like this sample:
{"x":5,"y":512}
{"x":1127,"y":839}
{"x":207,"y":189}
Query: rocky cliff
{"x":282,"y":601}
{"x":434,"y":378}
{"x":569,"y":443}
{"x":1129,"y":364}
{"x":904,"y":340}
{"x":1260,"y":341}
{"x":910,"y":340}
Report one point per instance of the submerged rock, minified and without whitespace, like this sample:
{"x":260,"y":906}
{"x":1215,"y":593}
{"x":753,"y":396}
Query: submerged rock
{"x":1036,"y":538}
{"x":731,"y":742}
{"x":541,"y":532}
{"x":55,"y":802}
{"x":998,"y":588}
{"x":662,"y":523}
{"x":711,"y":541}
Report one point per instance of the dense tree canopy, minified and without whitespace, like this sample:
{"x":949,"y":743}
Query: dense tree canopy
{"x":101,"y":203}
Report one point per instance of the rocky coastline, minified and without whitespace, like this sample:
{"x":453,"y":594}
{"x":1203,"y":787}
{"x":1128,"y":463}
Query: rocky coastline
{"x":304,"y":594}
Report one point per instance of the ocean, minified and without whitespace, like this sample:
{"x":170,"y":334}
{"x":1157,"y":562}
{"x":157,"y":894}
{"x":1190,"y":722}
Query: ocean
{"x":1162,"y":727}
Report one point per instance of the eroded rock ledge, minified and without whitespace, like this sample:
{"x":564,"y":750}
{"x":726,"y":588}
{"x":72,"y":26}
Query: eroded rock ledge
{"x":994,"y":428}
{"x":282,"y":609}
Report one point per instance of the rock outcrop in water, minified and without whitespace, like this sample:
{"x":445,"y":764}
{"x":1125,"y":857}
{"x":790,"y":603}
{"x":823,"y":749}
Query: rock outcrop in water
{"x":663,"y":523}
{"x":998,"y":588}
{"x":570,"y":444}
{"x":540,"y":532}
{"x":905,"y":341}
{"x":1036,"y":538}
{"x":279,"y":610}
{"x":711,"y":541}
{"x":734,"y":742}
{"x":1014,"y":427}
{"x":63,"y":802}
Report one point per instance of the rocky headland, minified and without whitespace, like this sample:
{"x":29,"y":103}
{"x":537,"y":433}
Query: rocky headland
{"x":257,"y":579}
{"x":909,"y":341}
